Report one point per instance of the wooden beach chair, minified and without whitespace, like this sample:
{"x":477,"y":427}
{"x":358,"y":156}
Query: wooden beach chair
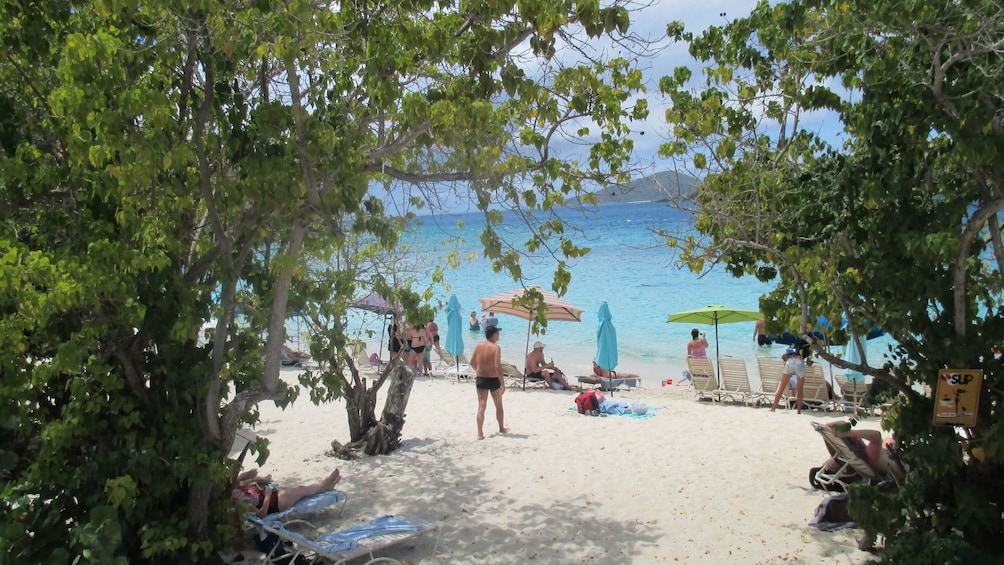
{"x":703,"y":378}
{"x":735,"y":380}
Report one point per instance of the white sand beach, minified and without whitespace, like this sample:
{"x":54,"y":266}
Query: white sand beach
{"x":698,"y":482}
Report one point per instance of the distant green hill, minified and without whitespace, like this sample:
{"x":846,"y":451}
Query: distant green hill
{"x":659,"y":187}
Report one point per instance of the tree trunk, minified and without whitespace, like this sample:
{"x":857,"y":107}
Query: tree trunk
{"x":360,"y":404}
{"x":198,"y":512}
{"x":385,"y":436}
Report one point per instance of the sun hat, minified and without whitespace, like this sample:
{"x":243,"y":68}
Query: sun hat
{"x":538,"y":345}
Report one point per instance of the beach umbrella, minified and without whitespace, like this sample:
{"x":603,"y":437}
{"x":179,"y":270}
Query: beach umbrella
{"x":606,"y":342}
{"x":454,"y":329}
{"x":373,"y":302}
{"x":556,"y":309}
{"x":715,"y":314}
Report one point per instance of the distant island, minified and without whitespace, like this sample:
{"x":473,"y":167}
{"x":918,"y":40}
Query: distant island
{"x":663,"y":186}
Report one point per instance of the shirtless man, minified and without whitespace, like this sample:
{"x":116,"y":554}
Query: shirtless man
{"x":537,"y":368}
{"x":486,"y":359}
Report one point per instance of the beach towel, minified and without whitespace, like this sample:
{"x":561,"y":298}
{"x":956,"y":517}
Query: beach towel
{"x":831,"y":514}
{"x":614,"y":407}
{"x":348,"y":539}
{"x":628,"y":414}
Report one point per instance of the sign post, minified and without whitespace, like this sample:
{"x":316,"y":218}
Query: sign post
{"x":957,"y":397}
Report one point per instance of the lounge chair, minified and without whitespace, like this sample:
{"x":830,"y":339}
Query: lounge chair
{"x":735,"y":380}
{"x":815,"y":391}
{"x":446,"y":359}
{"x":770,"y":379}
{"x":609,"y":383}
{"x":702,"y":377}
{"x":854,"y":394}
{"x":459,"y":369}
{"x":851,"y":467}
{"x":344,"y":545}
{"x":307,"y":505}
{"x":515,"y":378}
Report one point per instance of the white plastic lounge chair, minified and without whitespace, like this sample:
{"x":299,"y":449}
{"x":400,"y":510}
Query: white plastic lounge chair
{"x":815,"y":392}
{"x":770,"y":379}
{"x":344,"y":545}
{"x":735,"y":380}
{"x":854,"y":394}
{"x":702,"y":377}
{"x":851,"y":467}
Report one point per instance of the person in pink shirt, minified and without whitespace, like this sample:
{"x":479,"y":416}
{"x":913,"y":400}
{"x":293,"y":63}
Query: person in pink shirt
{"x":698,"y":347}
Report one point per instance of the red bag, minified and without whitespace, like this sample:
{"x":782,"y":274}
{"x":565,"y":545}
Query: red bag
{"x":588,"y":401}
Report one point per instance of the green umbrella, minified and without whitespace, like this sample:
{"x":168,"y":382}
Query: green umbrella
{"x":715,"y":314}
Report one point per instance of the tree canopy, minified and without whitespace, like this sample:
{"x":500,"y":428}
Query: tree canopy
{"x":164,"y":164}
{"x":897,"y":227}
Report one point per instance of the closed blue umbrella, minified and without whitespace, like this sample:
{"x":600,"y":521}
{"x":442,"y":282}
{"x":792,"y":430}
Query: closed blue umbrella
{"x":852,"y":355}
{"x":606,"y":341}
{"x":454,"y":329}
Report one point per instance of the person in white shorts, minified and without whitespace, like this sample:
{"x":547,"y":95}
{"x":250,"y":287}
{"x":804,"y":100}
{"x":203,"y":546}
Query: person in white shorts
{"x":794,"y":367}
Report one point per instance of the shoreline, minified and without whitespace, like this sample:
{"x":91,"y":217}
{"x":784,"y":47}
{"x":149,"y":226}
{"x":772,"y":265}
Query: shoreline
{"x":698,"y":482}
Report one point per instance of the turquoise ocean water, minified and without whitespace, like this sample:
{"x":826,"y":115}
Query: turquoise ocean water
{"x":627,"y":267}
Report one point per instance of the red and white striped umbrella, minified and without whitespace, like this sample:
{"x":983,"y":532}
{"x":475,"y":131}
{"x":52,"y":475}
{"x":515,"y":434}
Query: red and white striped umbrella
{"x":555,"y":308}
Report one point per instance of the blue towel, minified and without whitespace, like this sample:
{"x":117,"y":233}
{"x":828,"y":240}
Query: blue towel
{"x":628,"y":414}
{"x":347,"y":539}
{"x":613,"y":407}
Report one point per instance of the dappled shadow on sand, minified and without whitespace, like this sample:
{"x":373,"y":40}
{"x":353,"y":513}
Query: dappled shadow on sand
{"x":481,"y":520}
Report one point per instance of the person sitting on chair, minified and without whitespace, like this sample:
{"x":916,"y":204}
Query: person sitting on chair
{"x":537,"y":368}
{"x":870,"y":445}
{"x":601,"y":372}
{"x":266,"y":498}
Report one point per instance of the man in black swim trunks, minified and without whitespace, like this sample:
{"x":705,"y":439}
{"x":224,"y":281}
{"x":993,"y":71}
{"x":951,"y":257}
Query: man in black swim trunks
{"x":486,"y":359}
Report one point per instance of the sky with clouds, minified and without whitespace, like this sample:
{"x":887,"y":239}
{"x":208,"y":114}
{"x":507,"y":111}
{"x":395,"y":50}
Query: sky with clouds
{"x":649,"y":22}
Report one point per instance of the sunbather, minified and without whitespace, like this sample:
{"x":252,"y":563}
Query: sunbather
{"x":869,"y":444}
{"x":601,"y":372}
{"x":266,"y":498}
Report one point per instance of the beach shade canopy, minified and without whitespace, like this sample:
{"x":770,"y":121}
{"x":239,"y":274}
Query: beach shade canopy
{"x":454,"y":329}
{"x":715,"y":314}
{"x":373,"y":302}
{"x":557,"y":309}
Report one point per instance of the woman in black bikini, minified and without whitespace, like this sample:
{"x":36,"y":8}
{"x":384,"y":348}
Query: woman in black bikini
{"x":265,"y":498}
{"x":416,"y":338}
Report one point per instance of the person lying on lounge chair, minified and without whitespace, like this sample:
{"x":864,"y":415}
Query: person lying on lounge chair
{"x":875,"y":450}
{"x":537,"y":368}
{"x":601,"y":372}
{"x":266,"y":498}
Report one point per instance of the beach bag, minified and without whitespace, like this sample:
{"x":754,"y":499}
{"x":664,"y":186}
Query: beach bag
{"x":832,"y":514}
{"x":587,"y":402}
{"x":639,"y":407}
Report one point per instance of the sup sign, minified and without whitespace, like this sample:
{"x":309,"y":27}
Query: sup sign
{"x":957,"y":398}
